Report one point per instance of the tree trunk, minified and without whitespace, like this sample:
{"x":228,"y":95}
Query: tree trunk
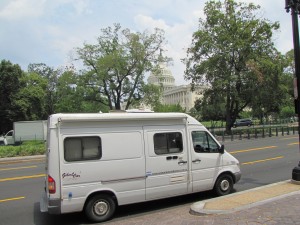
{"x":228,"y":111}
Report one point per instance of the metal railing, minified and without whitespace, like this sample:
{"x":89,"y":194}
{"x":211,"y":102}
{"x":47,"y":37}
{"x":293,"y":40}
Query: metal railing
{"x":253,"y":132}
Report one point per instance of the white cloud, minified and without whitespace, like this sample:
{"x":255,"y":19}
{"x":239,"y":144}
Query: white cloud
{"x":48,"y":30}
{"x":81,"y":6}
{"x":19,"y":9}
{"x":198,"y":14}
{"x":147,"y":22}
{"x":178,"y":36}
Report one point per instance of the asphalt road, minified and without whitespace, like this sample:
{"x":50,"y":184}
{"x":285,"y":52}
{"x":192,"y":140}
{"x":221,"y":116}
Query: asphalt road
{"x":263,"y":161}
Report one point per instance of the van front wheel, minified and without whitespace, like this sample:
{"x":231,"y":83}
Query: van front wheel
{"x":100,"y":208}
{"x":223,"y":185}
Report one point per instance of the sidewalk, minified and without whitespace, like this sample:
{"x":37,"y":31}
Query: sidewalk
{"x":249,"y":198}
{"x":23,"y":158}
{"x":277,"y":203}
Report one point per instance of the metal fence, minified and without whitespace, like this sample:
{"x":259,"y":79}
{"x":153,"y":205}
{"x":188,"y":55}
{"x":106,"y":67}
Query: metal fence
{"x":253,"y":133}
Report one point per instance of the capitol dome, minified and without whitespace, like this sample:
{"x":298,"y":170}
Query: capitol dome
{"x":163,"y":76}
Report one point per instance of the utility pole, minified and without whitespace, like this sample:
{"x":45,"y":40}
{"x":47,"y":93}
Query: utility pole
{"x":294,"y":7}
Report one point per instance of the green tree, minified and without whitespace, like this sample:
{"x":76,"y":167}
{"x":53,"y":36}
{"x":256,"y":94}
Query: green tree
{"x":10,"y":84}
{"x":228,"y":43}
{"x":72,"y":97}
{"x":67,"y":99}
{"x":30,"y":99}
{"x":211,"y":107}
{"x":287,"y":111}
{"x":271,"y":93}
{"x":117,"y":63}
{"x":51,"y":75}
{"x":151,"y":97}
{"x":288,"y":76}
{"x":168,"y":108}
{"x":286,"y":82}
{"x":290,"y":62}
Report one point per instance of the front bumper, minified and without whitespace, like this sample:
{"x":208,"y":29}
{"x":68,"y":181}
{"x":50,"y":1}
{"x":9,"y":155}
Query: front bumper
{"x":237,"y":176}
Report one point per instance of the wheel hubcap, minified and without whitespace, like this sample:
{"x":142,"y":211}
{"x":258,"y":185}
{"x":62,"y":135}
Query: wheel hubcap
{"x":224,"y":185}
{"x":101,"y":208}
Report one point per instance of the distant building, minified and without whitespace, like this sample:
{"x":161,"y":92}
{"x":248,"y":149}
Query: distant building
{"x":173,"y":94}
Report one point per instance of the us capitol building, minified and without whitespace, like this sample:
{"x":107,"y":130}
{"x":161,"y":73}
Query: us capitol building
{"x":173,"y":94}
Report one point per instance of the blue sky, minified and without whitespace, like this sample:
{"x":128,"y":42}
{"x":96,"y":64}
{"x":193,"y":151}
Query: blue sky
{"x":47,"y":31}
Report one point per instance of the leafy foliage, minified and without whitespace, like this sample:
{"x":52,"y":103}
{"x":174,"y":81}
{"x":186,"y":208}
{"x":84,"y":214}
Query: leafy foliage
{"x":10,"y":83}
{"x":232,"y":54}
{"x":117,"y":63}
{"x":229,"y":45}
{"x":31,"y":97}
{"x":25,"y":149}
{"x":211,"y":107}
{"x":51,"y":75}
{"x":168,"y":108}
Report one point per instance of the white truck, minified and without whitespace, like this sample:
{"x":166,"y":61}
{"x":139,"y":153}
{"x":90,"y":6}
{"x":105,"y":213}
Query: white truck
{"x":96,"y":162}
{"x":26,"y":130}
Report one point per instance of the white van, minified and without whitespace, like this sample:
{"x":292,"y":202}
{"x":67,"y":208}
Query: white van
{"x":96,"y":162}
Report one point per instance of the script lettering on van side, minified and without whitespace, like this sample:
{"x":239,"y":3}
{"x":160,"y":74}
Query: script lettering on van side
{"x":73,"y":175}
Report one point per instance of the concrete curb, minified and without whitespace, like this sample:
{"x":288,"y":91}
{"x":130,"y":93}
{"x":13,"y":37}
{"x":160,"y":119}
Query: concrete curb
{"x":23,"y":158}
{"x":199,"y":208}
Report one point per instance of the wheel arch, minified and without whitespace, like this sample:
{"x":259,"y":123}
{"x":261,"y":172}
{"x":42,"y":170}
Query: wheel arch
{"x":105,"y":192}
{"x":224,"y":184}
{"x":227,"y":172}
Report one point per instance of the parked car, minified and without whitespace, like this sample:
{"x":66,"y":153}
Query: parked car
{"x":243,"y":122}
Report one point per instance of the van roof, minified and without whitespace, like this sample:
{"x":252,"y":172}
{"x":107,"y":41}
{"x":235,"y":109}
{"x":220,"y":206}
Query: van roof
{"x":72,"y":117}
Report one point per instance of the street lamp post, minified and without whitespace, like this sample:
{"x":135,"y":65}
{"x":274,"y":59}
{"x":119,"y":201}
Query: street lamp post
{"x":294,"y":7}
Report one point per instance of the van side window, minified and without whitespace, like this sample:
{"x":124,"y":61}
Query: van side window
{"x":203,"y":142}
{"x":82,"y":148}
{"x":166,"y":143}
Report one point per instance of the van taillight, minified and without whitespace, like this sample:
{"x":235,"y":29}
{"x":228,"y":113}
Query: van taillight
{"x":51,"y":185}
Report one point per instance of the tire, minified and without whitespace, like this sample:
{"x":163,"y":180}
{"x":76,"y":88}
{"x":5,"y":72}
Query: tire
{"x":100,"y":208}
{"x":223,"y":185}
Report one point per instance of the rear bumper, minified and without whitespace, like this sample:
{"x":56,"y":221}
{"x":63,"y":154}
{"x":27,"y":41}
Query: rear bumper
{"x":52,"y":206}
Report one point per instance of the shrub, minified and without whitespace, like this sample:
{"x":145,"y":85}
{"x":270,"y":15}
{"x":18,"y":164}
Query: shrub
{"x":25,"y":149}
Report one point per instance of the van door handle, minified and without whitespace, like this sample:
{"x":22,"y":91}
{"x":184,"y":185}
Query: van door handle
{"x":182,"y":162}
{"x":196,"y":161}
{"x":172,"y":157}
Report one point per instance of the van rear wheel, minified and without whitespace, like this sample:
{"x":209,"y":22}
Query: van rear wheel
{"x":223,"y":185}
{"x":100,"y":208}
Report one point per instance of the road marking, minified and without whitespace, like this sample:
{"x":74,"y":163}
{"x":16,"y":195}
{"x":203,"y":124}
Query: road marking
{"x":289,"y":138}
{"x":295,"y":143}
{"x":262,"y":160}
{"x":22,"y":178}
{"x":21,"y":161}
{"x":252,"y":149}
{"x":11,"y":199}
{"x":18,"y":168}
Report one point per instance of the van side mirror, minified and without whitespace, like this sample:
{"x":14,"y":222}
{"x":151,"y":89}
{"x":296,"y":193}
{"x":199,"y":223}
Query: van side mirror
{"x":222,"y":149}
